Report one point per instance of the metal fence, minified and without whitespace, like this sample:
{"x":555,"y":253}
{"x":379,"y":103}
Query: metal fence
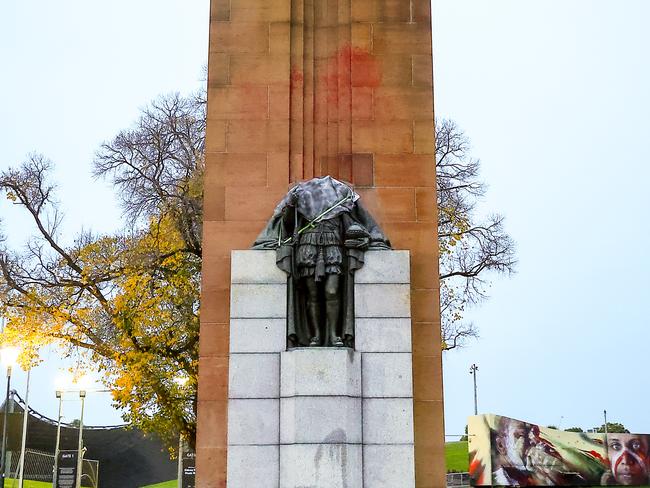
{"x":457,"y":479}
{"x":39,"y":466}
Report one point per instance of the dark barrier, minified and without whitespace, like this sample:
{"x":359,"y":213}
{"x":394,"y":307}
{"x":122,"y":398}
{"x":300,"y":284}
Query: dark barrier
{"x":127,"y":457}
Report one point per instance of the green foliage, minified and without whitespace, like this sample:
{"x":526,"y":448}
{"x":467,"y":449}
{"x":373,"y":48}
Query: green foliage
{"x":613,"y":428}
{"x":456,"y":457}
{"x":574,"y":429}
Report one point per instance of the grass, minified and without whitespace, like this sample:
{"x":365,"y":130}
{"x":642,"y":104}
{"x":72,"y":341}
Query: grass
{"x":11,"y":483}
{"x":165,"y":484}
{"x":456,"y":457}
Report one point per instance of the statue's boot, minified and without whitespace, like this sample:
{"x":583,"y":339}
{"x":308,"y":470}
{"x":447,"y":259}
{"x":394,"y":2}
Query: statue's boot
{"x":332,"y":308}
{"x":313,"y":317}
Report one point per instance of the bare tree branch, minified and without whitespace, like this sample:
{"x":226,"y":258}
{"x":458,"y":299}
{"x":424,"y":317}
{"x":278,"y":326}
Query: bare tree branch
{"x":471,"y":249}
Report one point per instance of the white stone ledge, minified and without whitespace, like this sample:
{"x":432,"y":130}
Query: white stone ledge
{"x":387,"y":375}
{"x":258,"y":335}
{"x":321,"y":466}
{"x":253,"y":466}
{"x":253,"y":422}
{"x":382,"y":300}
{"x":387,"y":421}
{"x":258,"y":301}
{"x":384,"y":267}
{"x":388,"y":466}
{"x":254,"y":376}
{"x":324,"y":420}
{"x":319,"y":371}
{"x":250,"y":266}
{"x":382,"y":335}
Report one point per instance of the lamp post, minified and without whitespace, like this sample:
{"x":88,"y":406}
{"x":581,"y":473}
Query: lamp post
{"x":8,"y":356}
{"x":472,"y":370}
{"x":181,"y":380}
{"x":59,"y":395}
{"x":24,"y":439}
{"x":606,"y":426}
{"x":82,"y":395}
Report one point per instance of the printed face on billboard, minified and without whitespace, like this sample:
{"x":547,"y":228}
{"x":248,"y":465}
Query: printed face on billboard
{"x":629,"y":457}
{"x":513,"y":442}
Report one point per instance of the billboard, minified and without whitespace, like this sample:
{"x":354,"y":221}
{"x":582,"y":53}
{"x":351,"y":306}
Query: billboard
{"x":509,"y":452}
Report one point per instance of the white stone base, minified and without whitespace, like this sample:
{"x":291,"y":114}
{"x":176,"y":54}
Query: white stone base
{"x":320,"y":417}
{"x":321,"y":466}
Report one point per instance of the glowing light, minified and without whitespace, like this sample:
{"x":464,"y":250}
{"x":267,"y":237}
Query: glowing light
{"x":9,"y":356}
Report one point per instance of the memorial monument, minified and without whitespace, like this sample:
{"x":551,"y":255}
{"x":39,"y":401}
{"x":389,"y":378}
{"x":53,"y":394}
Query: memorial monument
{"x":320,"y":355}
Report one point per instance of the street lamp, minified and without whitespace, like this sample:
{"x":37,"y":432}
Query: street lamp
{"x":472,"y":370}
{"x":181,"y":380}
{"x":67,"y":384}
{"x":82,"y":395}
{"x":23,"y":444}
{"x":59,"y":395}
{"x":8,"y":357}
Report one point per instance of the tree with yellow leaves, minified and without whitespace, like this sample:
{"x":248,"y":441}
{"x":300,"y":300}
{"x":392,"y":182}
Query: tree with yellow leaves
{"x":127,"y":304}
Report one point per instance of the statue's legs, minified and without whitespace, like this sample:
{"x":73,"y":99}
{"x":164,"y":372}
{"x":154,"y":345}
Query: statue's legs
{"x":313,"y":311}
{"x":332,"y":311}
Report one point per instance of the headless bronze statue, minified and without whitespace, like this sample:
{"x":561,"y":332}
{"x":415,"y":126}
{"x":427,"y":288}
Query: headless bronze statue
{"x":320,"y":233}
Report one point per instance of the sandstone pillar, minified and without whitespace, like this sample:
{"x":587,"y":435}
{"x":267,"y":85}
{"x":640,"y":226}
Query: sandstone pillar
{"x":303,"y":88}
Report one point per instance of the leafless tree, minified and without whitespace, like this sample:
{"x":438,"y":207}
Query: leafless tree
{"x":471,"y":249}
{"x":157,"y":166}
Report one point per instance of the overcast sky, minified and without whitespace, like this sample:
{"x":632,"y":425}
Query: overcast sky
{"x":554,"y":96}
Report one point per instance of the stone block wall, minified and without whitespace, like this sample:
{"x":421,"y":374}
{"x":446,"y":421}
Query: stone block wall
{"x":257,"y":337}
{"x":322,"y":417}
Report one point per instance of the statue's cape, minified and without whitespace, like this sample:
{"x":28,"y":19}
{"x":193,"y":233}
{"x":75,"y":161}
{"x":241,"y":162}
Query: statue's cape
{"x":315,"y":197}
{"x":276,"y":230}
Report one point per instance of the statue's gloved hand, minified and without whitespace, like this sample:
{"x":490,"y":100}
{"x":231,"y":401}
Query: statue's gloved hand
{"x":361,"y":243}
{"x":356,"y":237}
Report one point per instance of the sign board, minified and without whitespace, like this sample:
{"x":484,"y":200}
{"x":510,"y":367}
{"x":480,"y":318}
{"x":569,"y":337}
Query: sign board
{"x":188,"y":467}
{"x":66,"y":475}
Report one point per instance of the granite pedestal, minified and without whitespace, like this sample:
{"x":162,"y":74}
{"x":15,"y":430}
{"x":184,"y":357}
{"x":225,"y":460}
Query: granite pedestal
{"x":320,"y":417}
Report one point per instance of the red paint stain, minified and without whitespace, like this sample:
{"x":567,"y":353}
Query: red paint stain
{"x":348,"y":67}
{"x":297,"y":77}
{"x":366,"y":69}
{"x":342,"y":91}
